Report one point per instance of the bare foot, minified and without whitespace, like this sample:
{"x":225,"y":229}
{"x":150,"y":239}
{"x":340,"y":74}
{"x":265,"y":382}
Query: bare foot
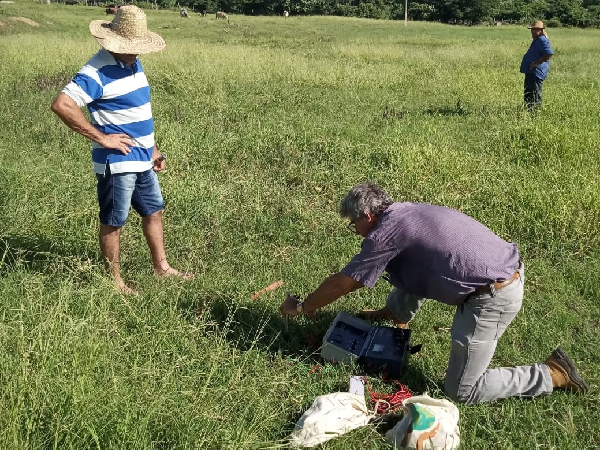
{"x":382,"y":314}
{"x":123,"y":288}
{"x":170,"y":272}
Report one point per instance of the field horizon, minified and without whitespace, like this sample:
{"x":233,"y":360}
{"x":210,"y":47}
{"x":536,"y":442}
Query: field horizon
{"x":267,"y":123}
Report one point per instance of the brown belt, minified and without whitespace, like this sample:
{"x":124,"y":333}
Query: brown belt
{"x":485,"y":289}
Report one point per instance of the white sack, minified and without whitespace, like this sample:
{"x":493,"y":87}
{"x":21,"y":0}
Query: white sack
{"x":434,"y":425}
{"x":330,"y":416}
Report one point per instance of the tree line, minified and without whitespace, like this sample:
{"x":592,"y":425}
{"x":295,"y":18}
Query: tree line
{"x":576,"y":13}
{"x":579,"y":13}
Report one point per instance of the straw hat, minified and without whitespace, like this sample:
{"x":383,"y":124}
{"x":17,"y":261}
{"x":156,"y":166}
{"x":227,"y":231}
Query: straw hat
{"x":127,"y":33}
{"x":538,"y":24}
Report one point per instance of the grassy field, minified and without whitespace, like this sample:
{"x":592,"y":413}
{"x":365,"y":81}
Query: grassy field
{"x":267,"y":124}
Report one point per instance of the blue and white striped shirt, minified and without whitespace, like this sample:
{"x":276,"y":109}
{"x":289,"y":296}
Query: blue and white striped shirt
{"x":118,"y":99}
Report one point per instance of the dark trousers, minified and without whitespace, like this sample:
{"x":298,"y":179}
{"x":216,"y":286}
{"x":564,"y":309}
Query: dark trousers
{"x":532,"y":91}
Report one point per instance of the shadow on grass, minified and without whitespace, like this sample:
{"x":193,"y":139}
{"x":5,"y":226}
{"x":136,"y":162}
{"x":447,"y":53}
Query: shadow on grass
{"x":263,"y":329}
{"x":398,"y":113}
{"x":260,"y":328}
{"x":458,"y":110}
{"x":40,"y":254}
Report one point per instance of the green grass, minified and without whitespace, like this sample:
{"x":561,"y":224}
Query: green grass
{"x":267,"y":124}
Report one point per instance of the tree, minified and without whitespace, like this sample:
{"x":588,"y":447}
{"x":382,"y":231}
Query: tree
{"x":570,"y":12}
{"x":465,"y":11}
{"x":512,"y":10}
{"x":580,"y":13}
{"x":421,"y":11}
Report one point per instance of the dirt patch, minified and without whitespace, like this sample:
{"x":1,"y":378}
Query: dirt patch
{"x":33,"y":23}
{"x":58,"y":80}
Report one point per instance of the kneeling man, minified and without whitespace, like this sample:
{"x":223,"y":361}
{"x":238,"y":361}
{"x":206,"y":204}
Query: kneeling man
{"x":439,"y":253}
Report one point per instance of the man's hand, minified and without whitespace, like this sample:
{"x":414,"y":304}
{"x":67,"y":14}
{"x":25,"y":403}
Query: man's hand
{"x":160,"y":160}
{"x":119,"y":141}
{"x":542,"y":60}
{"x":159,"y":164}
{"x":290,"y":306}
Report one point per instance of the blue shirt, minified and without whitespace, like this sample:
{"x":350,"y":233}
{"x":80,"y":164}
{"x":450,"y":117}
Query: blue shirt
{"x":433,"y":252}
{"x":118,"y":99}
{"x":538,"y":48}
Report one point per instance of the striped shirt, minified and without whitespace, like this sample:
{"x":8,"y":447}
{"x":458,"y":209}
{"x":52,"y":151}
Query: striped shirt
{"x":433,"y":252}
{"x":118,"y":99}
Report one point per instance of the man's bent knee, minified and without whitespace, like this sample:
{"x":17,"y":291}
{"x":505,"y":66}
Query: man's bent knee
{"x":403,"y":306}
{"x":459,"y":394}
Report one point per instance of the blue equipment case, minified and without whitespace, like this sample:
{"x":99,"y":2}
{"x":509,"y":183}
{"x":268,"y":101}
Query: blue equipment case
{"x":349,"y":339}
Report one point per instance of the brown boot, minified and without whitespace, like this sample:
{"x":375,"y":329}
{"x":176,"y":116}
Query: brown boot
{"x":564,"y":373}
{"x":382,"y":314}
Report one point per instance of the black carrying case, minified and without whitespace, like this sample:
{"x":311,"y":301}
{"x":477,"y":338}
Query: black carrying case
{"x":377,"y":349}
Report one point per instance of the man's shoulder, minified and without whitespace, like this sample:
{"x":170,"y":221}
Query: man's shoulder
{"x":413,"y":217}
{"x":101,"y":59}
{"x":542,"y":41}
{"x":396,"y":207}
{"x":391,"y":220}
{"x":547,"y":42}
{"x":543,"y":45}
{"x":407,"y":209}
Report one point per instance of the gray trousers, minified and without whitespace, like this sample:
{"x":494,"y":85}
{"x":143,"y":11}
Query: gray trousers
{"x":478,"y":324}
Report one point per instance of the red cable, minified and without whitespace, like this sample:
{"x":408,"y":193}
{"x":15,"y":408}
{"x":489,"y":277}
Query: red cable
{"x":315,"y":369}
{"x":385,"y":403}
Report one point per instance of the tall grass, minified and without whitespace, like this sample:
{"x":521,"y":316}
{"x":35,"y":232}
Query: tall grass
{"x":267,"y":123}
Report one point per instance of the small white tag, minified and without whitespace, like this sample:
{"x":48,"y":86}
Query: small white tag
{"x":357,"y":385}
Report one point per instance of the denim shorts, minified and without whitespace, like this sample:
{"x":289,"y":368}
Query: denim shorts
{"x":116,"y":193}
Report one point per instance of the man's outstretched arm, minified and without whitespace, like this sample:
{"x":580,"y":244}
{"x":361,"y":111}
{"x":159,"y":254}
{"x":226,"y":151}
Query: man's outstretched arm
{"x":329,"y":291}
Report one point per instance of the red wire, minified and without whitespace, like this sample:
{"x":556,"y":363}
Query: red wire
{"x":386,"y":403}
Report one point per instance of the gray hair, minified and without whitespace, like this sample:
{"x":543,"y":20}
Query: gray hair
{"x":363,"y":199}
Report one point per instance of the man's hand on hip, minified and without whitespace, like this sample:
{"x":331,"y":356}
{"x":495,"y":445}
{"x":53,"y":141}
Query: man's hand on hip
{"x":70,"y":113}
{"x":120,"y":141}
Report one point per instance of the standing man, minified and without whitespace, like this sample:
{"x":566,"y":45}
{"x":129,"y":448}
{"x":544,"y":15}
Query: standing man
{"x":114,"y":88}
{"x":439,"y":253}
{"x":535,"y":65}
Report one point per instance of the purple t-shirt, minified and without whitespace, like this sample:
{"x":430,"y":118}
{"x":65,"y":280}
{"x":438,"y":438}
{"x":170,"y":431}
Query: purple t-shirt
{"x":433,"y":252}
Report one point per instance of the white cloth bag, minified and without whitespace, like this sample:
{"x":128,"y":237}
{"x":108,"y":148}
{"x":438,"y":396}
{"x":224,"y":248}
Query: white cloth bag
{"x":434,"y":425}
{"x":330,"y":416}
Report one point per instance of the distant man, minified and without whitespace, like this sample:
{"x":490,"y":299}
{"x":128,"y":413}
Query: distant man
{"x":535,"y":65}
{"x":439,"y":253}
{"x":114,"y":87}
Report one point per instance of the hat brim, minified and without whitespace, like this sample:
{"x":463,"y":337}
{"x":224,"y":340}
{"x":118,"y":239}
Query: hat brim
{"x":116,"y":43}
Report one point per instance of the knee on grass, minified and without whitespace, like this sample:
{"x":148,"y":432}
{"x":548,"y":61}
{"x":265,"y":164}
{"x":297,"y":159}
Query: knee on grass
{"x":460,"y":394}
